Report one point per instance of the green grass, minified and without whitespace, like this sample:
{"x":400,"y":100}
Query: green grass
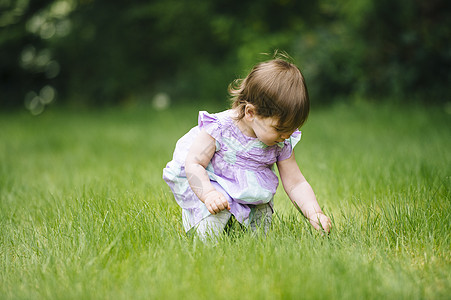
{"x":85,"y":214}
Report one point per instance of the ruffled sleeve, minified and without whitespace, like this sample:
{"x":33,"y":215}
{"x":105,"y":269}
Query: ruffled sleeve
{"x":212,"y":125}
{"x":288,"y":145}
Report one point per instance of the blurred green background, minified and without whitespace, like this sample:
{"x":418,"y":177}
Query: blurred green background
{"x":101,"y":52}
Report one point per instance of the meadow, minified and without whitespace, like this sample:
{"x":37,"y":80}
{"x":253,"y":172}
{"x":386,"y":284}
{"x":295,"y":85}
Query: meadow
{"x":85,"y":214}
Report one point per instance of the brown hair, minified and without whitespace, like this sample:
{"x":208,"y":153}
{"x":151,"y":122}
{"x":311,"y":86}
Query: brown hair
{"x":276,"y":88}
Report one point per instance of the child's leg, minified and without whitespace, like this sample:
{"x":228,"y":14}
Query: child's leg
{"x":211,"y":226}
{"x":260,"y":217}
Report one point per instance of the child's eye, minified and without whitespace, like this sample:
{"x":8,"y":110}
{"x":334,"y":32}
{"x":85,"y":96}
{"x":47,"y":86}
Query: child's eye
{"x":284,"y":131}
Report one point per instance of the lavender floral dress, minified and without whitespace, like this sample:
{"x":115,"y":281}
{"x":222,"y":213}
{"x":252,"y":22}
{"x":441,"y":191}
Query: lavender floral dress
{"x":242,"y":168}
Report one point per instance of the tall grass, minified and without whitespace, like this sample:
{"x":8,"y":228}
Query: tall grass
{"x":85,"y":214}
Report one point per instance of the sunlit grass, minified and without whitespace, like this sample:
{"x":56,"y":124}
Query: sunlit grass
{"x":85,"y":214}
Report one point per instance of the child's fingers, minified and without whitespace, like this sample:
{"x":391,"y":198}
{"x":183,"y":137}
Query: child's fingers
{"x":210,"y":209}
{"x":325,"y":223}
{"x":213,"y":208}
{"x":320,"y":222}
{"x":222,"y":203}
{"x":325,"y":227}
{"x":228,"y":205}
{"x":217,"y":203}
{"x":216,"y":208}
{"x":315,"y":224}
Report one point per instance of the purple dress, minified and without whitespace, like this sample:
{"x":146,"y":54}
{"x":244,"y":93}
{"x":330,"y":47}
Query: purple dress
{"x":242,"y":168}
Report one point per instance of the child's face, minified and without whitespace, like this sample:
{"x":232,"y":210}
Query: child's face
{"x":265,"y":130}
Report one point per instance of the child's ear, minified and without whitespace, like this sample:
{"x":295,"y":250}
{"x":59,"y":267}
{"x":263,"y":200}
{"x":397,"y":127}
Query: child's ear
{"x":249,"y":112}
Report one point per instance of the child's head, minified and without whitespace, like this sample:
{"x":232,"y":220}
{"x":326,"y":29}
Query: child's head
{"x":276,"y":88}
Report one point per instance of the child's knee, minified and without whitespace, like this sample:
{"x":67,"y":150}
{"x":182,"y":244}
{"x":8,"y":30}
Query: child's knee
{"x":260,"y":217}
{"x":213,"y":225}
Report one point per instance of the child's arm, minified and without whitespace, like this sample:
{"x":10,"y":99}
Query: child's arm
{"x":301,"y":193}
{"x":198,"y":158}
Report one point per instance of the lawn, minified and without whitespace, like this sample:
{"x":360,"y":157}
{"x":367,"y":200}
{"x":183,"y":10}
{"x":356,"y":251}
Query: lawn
{"x":84,"y":213}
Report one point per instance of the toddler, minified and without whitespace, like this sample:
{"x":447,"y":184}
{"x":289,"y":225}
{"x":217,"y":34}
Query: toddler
{"x":225,"y":165}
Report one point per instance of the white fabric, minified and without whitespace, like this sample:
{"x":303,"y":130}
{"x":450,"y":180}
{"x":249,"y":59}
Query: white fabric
{"x":209,"y":227}
{"x":213,"y":225}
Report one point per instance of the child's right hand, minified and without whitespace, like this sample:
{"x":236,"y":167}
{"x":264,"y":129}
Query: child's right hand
{"x":216,"y":202}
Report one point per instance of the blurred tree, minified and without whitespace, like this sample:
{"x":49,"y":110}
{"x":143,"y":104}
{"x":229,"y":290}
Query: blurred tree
{"x":102,"y":52}
{"x":190,"y":49}
{"x":409,"y":51}
{"x":399,"y":49}
{"x":23,"y":56}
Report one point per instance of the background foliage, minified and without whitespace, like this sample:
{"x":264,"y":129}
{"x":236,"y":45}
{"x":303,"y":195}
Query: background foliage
{"x":102,"y":52}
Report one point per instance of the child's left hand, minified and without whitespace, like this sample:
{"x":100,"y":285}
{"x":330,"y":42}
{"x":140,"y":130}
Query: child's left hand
{"x":320,"y":221}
